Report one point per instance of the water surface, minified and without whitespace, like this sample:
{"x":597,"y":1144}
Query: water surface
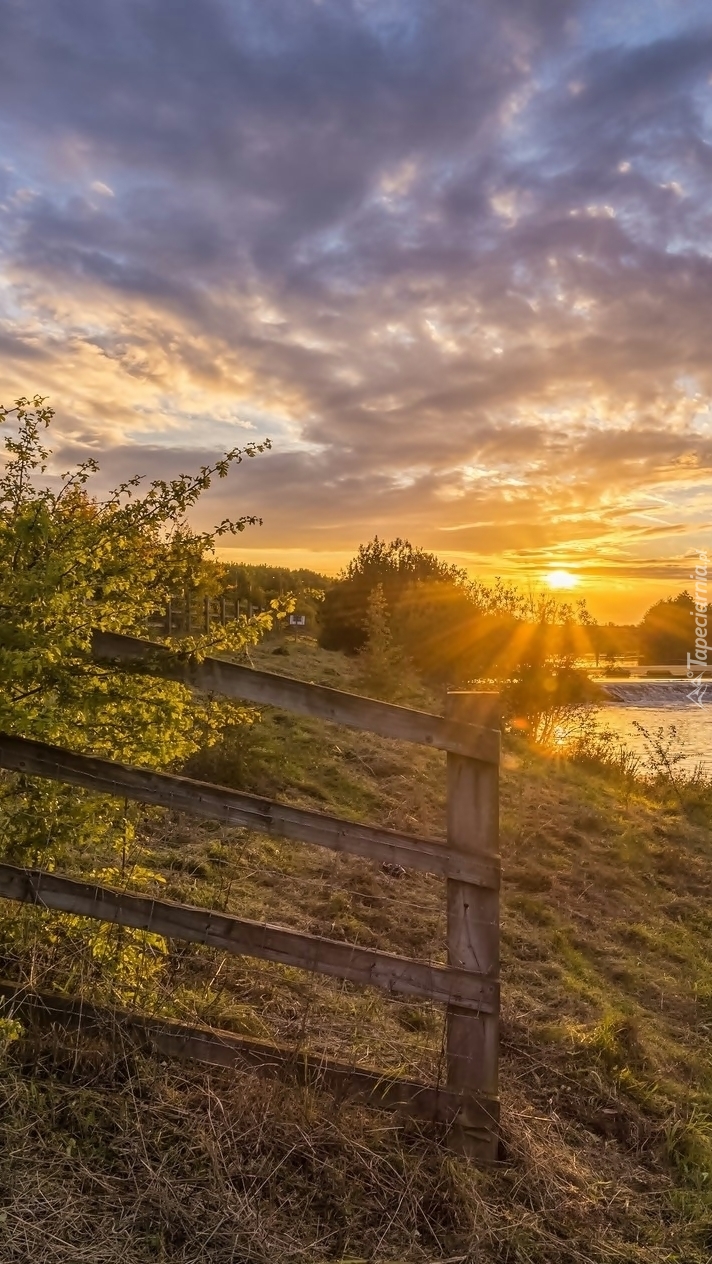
{"x":656,"y":704}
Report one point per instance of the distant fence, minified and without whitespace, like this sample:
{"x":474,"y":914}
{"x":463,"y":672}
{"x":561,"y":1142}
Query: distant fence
{"x":193,"y":612}
{"x":468,"y":985}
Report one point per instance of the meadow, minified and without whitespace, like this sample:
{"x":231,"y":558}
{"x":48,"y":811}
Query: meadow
{"x":607,"y":1007}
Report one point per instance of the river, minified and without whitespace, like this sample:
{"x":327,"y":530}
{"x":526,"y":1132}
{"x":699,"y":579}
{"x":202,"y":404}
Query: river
{"x":661,"y":703}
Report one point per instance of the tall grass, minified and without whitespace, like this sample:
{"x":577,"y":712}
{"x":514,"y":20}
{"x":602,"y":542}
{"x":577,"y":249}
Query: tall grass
{"x":660,"y":765}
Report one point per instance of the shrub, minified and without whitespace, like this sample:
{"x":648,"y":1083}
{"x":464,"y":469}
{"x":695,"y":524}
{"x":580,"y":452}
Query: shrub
{"x":72,"y":562}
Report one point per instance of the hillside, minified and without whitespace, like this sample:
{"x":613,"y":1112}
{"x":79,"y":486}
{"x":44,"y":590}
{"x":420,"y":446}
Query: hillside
{"x":606,"y":1066}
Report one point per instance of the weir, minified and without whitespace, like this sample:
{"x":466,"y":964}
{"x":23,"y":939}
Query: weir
{"x":656,"y":693}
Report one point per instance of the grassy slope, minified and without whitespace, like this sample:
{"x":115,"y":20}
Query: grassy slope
{"x":606,"y":1070}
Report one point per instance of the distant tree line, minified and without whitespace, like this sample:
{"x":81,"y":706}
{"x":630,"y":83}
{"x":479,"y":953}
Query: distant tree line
{"x":667,"y":632}
{"x":456,"y":628}
{"x":450,"y":627}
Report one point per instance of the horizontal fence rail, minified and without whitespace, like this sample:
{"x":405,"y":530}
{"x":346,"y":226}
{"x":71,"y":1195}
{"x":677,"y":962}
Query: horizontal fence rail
{"x":242,"y":937}
{"x":215,"y":675}
{"x":234,"y":807}
{"x":174,"y":1039}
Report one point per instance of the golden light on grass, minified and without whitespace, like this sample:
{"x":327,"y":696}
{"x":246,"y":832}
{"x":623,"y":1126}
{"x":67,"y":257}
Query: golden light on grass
{"x":560,"y":579}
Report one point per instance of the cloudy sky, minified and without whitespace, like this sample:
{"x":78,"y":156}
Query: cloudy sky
{"x":453,"y":256}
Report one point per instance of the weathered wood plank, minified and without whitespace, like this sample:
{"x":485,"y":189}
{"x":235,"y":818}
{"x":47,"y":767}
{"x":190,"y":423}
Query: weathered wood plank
{"x":473,"y":919}
{"x":173,"y":1039}
{"x":216,"y":675}
{"x":242,"y":937}
{"x":234,"y":807}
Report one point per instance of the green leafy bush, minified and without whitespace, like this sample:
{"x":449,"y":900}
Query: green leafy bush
{"x":71,"y":563}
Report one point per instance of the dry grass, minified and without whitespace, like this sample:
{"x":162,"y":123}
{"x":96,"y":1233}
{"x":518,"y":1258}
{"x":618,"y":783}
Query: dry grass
{"x":606,"y":1075}
{"x":134,"y":1162}
{"x":129,"y":1161}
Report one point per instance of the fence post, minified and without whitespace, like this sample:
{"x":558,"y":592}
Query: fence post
{"x":473,"y":920}
{"x":206,"y":613}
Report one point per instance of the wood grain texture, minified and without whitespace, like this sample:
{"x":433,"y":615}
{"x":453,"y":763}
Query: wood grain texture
{"x":169,"y":1038}
{"x":473,"y":916}
{"x":233,"y":807}
{"x":243,"y":937}
{"x":215,"y":675}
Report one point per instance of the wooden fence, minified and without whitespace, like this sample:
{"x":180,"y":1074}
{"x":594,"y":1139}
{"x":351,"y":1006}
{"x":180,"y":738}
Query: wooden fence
{"x":468,"y":985}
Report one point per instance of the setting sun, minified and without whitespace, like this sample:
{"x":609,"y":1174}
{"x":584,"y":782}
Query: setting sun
{"x":560,"y":579}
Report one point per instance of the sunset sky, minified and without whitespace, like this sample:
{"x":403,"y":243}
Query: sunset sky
{"x":453,"y":257}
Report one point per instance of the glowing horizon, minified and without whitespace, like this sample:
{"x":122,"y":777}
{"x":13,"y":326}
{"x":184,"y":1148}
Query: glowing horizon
{"x":616,"y":599}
